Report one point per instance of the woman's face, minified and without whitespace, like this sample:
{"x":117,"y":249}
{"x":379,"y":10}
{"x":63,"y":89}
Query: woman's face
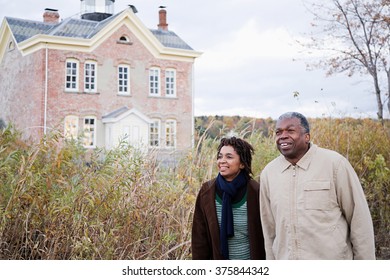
{"x":229,"y":163}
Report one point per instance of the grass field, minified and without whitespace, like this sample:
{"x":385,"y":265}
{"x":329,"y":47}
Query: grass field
{"x":59,"y":201}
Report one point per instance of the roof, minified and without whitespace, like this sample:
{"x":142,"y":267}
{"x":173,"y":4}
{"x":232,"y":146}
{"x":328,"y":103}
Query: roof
{"x":117,"y":113}
{"x":170,"y":39}
{"x":23,"y":29}
{"x":122,"y":113}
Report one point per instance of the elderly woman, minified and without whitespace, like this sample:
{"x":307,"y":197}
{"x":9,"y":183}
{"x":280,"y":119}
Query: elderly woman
{"x":226,"y":223}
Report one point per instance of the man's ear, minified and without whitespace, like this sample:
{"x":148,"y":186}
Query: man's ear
{"x":307,"y":138}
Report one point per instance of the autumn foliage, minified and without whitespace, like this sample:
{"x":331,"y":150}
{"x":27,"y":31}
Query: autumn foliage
{"x":60,"y":201}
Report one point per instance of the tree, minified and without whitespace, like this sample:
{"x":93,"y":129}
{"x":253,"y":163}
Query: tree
{"x":355,"y":38}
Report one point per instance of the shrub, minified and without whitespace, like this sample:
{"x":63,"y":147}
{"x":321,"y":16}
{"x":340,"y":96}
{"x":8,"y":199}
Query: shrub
{"x":61,"y":201}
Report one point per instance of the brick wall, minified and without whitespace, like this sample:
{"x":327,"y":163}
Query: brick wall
{"x":22,"y":87}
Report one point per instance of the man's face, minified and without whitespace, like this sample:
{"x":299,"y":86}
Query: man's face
{"x":291,"y":140}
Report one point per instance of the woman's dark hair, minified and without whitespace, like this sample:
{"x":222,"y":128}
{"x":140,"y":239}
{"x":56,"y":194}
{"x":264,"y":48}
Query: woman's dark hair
{"x":243,"y":149}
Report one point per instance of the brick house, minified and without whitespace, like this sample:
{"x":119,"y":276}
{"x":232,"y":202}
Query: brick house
{"x":101,"y":78}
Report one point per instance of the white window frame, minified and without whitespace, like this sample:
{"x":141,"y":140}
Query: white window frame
{"x":170,"y":133}
{"x":90,"y":76}
{"x":72,"y":75}
{"x":154,"y":81}
{"x":123,"y":79}
{"x":170,"y":82}
{"x":155,"y":133}
{"x":124,"y":39}
{"x":89,"y":132}
{"x":71,"y":127}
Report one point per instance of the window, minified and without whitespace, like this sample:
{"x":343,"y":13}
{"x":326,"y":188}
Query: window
{"x":90,"y":77}
{"x":154,"y":81}
{"x":72,"y":75}
{"x":89,"y":129}
{"x":154,"y":133}
{"x":170,"y":133}
{"x":124,"y":40}
{"x":71,"y":127}
{"x":170,"y":83}
{"x":11,"y":46}
{"x":124,"y":79}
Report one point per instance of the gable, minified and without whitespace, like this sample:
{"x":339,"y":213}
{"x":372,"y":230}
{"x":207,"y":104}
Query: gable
{"x":85,"y":35}
{"x":5,"y":36}
{"x":125,"y":113}
{"x":126,"y":125}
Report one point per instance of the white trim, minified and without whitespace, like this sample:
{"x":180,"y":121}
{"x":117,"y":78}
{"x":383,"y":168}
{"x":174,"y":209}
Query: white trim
{"x":72,"y":119}
{"x":128,"y":91}
{"x":70,"y":89}
{"x":174,"y":90}
{"x":154,"y":84}
{"x":127,"y":18}
{"x":94,"y":132}
{"x":94,"y":63}
{"x":174,"y":133}
{"x":125,"y":114}
{"x":158,"y":121}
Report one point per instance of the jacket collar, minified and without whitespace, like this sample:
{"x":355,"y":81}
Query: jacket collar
{"x":303,"y":163}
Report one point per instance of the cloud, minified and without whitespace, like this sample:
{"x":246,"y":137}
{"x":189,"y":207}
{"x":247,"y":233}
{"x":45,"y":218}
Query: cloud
{"x":248,"y":45}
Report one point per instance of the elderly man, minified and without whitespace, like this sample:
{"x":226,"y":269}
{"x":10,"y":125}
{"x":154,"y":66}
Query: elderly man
{"x":312,"y":204}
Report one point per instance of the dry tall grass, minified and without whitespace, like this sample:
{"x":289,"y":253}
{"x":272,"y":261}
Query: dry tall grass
{"x":61,"y":202}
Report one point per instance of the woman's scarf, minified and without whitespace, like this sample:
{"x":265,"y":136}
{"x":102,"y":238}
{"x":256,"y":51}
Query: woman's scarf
{"x":229,"y":190}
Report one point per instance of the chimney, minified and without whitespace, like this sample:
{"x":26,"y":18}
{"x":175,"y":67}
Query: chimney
{"x":162,"y":25}
{"x":51,"y":16}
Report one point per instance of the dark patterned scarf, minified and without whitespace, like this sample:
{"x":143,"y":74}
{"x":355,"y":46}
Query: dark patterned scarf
{"x":229,"y":190}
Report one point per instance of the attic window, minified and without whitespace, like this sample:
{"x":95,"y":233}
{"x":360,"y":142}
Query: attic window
{"x":124,"y":40}
{"x":11,"y":46}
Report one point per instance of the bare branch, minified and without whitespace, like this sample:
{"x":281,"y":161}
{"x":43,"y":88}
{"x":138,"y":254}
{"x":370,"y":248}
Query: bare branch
{"x":353,"y":36}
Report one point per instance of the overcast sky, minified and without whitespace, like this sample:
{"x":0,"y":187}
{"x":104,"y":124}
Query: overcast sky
{"x":250,"y":65}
